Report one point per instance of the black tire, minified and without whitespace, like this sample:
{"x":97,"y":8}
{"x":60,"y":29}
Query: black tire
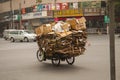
{"x":70,"y":60}
{"x":34,"y":40}
{"x":26,"y":39}
{"x":56,"y":61}
{"x":40,"y":55}
{"x":5,"y":38}
{"x":12,"y":39}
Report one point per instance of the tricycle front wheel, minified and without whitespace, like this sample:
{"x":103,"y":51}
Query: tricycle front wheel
{"x":70,"y":60}
{"x":40,"y":55}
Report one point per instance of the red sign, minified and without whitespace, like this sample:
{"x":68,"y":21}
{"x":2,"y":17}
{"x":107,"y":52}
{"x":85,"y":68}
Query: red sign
{"x":34,"y":8}
{"x":64,"y":6}
{"x":23,"y":11}
{"x":58,"y":6}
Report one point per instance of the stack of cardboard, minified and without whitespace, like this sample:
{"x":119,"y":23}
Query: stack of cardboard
{"x":63,"y":37}
{"x":62,"y":27}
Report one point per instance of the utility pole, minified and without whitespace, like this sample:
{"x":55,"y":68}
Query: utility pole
{"x":112,"y":39}
{"x":20,"y":21}
{"x":11,"y":15}
{"x":54,"y":15}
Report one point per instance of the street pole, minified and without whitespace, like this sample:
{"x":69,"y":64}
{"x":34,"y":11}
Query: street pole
{"x":112,"y":40}
{"x":11,"y":15}
{"x":20,"y":22}
{"x":54,"y":15}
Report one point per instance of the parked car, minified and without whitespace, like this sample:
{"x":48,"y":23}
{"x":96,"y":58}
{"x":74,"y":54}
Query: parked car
{"x":6,"y":33}
{"x":22,"y":35}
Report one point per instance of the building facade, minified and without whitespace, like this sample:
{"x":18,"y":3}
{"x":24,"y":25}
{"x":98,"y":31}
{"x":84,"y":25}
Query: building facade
{"x":28,"y":14}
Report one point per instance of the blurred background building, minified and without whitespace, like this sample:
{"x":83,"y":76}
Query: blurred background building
{"x":28,"y":14}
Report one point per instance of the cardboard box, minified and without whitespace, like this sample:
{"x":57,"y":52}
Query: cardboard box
{"x":63,"y":34}
{"x":47,"y":28}
{"x":82,"y":20}
{"x":66,"y":26}
{"x":73,"y":23}
{"x":39,"y":30}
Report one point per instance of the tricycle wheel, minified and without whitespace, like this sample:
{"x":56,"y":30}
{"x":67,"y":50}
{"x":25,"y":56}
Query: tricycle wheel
{"x":40,"y":55}
{"x":70,"y":60}
{"x":56,"y":61}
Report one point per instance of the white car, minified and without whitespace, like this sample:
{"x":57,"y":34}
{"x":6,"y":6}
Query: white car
{"x":6,"y":33}
{"x":22,"y":35}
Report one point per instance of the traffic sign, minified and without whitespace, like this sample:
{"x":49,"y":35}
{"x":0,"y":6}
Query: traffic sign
{"x":106,"y":19}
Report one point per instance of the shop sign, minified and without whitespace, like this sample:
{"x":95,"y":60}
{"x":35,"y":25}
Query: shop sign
{"x":75,"y":5}
{"x":27,"y":16}
{"x":92,"y":11}
{"x":50,"y":13}
{"x":58,"y":6}
{"x":91,"y":4}
{"x":64,"y":6}
{"x":14,"y":17}
{"x":68,"y":13}
{"x":70,"y":5}
{"x":35,"y":7}
{"x":34,"y":15}
{"x":44,"y":13}
{"x":45,"y":6}
{"x":39,"y":7}
{"x":51,"y":6}
{"x":37,"y":14}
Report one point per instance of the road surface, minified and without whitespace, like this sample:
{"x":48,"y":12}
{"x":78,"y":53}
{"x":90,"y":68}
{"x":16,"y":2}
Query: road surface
{"x":18,"y":61}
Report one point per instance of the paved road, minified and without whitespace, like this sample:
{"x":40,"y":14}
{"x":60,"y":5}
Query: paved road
{"x":18,"y":62}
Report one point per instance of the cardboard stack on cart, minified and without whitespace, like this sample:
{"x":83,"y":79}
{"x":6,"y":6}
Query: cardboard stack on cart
{"x":67,"y":37}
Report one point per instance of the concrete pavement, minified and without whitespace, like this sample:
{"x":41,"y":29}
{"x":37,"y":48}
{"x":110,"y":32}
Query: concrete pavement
{"x":18,"y":61}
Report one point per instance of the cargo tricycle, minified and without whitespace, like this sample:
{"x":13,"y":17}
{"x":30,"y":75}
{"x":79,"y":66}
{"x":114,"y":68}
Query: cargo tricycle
{"x":56,"y":49}
{"x":61,"y":41}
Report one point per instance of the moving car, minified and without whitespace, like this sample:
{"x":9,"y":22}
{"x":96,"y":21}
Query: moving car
{"x":22,"y":35}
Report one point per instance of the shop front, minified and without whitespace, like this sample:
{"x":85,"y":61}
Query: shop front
{"x":35,"y":19}
{"x":95,"y":20}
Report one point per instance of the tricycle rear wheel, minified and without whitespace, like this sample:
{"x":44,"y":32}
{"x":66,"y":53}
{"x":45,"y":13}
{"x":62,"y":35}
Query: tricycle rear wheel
{"x":70,"y":60}
{"x":56,"y":61}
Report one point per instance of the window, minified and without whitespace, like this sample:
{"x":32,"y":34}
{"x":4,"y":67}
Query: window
{"x":29,"y":9}
{"x":14,"y":32}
